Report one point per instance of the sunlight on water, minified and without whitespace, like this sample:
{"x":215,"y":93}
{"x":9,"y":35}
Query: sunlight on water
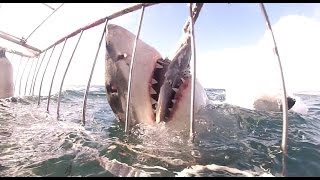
{"x":230,"y":141}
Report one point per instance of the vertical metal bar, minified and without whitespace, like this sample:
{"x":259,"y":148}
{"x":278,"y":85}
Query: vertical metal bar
{"x":34,"y":72}
{"x":65,"y":73}
{"x":131,"y":69}
{"x":22,"y":76}
{"x":35,"y":79}
{"x":89,"y":81}
{"x":193,"y":73}
{"x":11,"y":59}
{"x":15,"y":81}
{"x":25,"y":87}
{"x":54,"y":74}
{"x":284,"y":96}
{"x":44,"y":73}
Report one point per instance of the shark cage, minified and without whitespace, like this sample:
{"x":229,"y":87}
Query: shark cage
{"x":33,"y":75}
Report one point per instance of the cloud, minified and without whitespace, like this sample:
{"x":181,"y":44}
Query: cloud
{"x":250,"y":71}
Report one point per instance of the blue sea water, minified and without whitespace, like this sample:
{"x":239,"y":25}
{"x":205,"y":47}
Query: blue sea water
{"x":34,"y":142}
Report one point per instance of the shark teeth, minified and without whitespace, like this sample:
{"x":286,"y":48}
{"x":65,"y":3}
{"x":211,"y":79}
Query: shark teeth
{"x":170,"y":109}
{"x":175,"y":89}
{"x":153,"y":101}
{"x":183,"y":80}
{"x":153,"y":81}
{"x":152,"y":91}
{"x":158,"y":65}
{"x":174,"y":101}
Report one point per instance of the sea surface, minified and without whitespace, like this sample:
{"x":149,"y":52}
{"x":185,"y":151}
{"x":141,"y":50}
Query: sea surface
{"x":229,"y":141}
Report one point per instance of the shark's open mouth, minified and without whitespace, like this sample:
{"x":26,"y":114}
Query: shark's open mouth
{"x":157,"y":80}
{"x":160,"y":86}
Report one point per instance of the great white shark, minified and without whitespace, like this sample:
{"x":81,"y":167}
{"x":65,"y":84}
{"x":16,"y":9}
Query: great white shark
{"x":161,"y":87}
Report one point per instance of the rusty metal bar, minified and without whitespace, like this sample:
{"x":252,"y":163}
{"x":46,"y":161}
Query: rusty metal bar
{"x":22,"y":76}
{"x":15,"y":81}
{"x":54,"y":74}
{"x":35,"y":79}
{"x":25,"y":87}
{"x":44,"y":73}
{"x":21,"y":42}
{"x":15,"y":37}
{"x":193,"y":73}
{"x":65,"y":73}
{"x":102,"y":20}
{"x":284,"y":95}
{"x":130,"y":71}
{"x":34,"y":73}
{"x":44,"y":20}
{"x":89,"y":81}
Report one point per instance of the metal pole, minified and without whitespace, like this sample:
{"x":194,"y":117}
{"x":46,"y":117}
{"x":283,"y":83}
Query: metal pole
{"x":89,"y":81}
{"x":54,"y":74}
{"x":25,"y":87}
{"x":22,"y":76}
{"x":284,"y":96}
{"x":44,"y":21}
{"x":102,"y":20}
{"x":15,"y":81}
{"x":35,"y":79}
{"x":131,"y":69}
{"x":193,"y":73}
{"x":34,"y":73}
{"x":11,"y":59}
{"x":44,"y":73}
{"x":65,"y":73}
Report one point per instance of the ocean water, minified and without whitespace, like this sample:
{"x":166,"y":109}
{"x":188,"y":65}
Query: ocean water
{"x":230,"y":140}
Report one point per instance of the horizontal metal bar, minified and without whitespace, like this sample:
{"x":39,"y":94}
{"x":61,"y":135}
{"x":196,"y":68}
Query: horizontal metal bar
{"x":102,"y":20}
{"x":16,"y":52}
{"x":21,"y":43}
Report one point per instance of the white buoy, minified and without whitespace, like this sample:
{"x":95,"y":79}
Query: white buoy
{"x":6,"y":76}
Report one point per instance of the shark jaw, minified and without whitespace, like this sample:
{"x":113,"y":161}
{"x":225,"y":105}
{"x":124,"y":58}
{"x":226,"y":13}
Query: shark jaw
{"x":160,"y":88}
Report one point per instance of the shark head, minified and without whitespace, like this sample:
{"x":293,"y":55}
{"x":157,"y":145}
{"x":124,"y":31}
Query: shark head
{"x":160,"y":88}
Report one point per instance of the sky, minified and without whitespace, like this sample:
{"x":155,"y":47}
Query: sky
{"x":234,"y":48}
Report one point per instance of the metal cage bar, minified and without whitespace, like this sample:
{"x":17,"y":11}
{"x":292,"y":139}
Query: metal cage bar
{"x":131,"y":69}
{"x":25,"y":87}
{"x":55,"y":10}
{"x":11,"y":58}
{"x":193,"y":73}
{"x":65,"y":73}
{"x":284,"y":93}
{"x":102,"y":20}
{"x":15,"y":81}
{"x":44,"y":73}
{"x":91,"y":73}
{"x":7,"y":37}
{"x":22,"y":76}
{"x":36,"y":76}
{"x":34,"y":73}
{"x":54,"y":74}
